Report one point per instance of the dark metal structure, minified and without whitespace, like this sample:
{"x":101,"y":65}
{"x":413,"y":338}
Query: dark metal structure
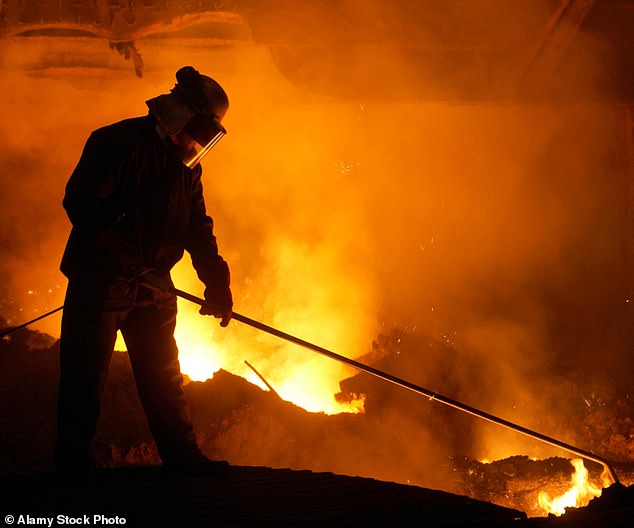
{"x":450,"y":50}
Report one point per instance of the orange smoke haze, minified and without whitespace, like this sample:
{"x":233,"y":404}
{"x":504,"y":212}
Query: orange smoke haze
{"x":497,"y":228}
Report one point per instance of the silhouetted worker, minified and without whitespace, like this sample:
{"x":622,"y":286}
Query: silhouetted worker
{"x":135,"y":201}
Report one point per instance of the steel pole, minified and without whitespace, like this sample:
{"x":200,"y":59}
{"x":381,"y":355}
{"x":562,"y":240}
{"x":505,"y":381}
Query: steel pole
{"x":8,"y":331}
{"x":415,"y":388}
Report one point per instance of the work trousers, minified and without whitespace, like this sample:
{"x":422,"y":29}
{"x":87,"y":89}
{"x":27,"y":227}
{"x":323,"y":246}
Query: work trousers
{"x":89,"y":328}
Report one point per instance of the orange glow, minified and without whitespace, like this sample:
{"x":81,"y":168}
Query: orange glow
{"x":580,"y":493}
{"x":342,"y":219}
{"x":311,"y":384}
{"x":296,"y":374}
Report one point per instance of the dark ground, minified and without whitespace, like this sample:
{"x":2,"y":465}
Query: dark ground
{"x":286,"y":464}
{"x":259,"y":496}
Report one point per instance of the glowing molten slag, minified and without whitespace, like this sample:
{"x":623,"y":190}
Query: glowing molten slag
{"x":580,"y":493}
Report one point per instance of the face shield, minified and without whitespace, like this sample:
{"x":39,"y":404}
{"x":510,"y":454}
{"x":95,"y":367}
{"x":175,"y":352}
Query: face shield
{"x":198,"y":137}
{"x":190,"y":115}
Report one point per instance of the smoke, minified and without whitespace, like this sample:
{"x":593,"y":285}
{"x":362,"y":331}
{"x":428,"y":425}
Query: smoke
{"x":496,"y":228}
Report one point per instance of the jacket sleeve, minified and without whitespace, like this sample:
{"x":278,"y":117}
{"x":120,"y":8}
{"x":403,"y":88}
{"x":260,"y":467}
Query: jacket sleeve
{"x":201,"y":244}
{"x":97,"y":249}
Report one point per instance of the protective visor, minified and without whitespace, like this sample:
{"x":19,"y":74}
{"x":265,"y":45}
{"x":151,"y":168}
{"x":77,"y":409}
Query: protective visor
{"x":205,"y":133}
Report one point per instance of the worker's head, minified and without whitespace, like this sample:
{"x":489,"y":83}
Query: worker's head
{"x":191,"y":114}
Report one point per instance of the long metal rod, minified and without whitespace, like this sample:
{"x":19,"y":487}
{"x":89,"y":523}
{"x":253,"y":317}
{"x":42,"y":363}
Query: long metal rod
{"x":410,"y":386}
{"x":85,"y":298}
{"x":24,"y":325}
{"x":270,"y":387}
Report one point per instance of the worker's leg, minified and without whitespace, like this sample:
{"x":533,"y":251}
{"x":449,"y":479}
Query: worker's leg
{"x":87,"y":340}
{"x":149,"y":336}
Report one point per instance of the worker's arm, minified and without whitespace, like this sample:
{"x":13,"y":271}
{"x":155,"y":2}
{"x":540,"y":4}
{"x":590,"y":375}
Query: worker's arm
{"x":211,"y":268}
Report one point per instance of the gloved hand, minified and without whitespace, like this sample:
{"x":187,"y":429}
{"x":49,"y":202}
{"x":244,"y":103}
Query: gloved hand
{"x":219,"y":303}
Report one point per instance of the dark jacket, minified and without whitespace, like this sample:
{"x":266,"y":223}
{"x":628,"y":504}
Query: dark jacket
{"x":134,"y":206}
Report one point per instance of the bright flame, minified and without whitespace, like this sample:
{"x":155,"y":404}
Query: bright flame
{"x":299,"y":376}
{"x":310,"y":384}
{"x":202,"y":359}
{"x":580,"y":493}
{"x":292,"y":298}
